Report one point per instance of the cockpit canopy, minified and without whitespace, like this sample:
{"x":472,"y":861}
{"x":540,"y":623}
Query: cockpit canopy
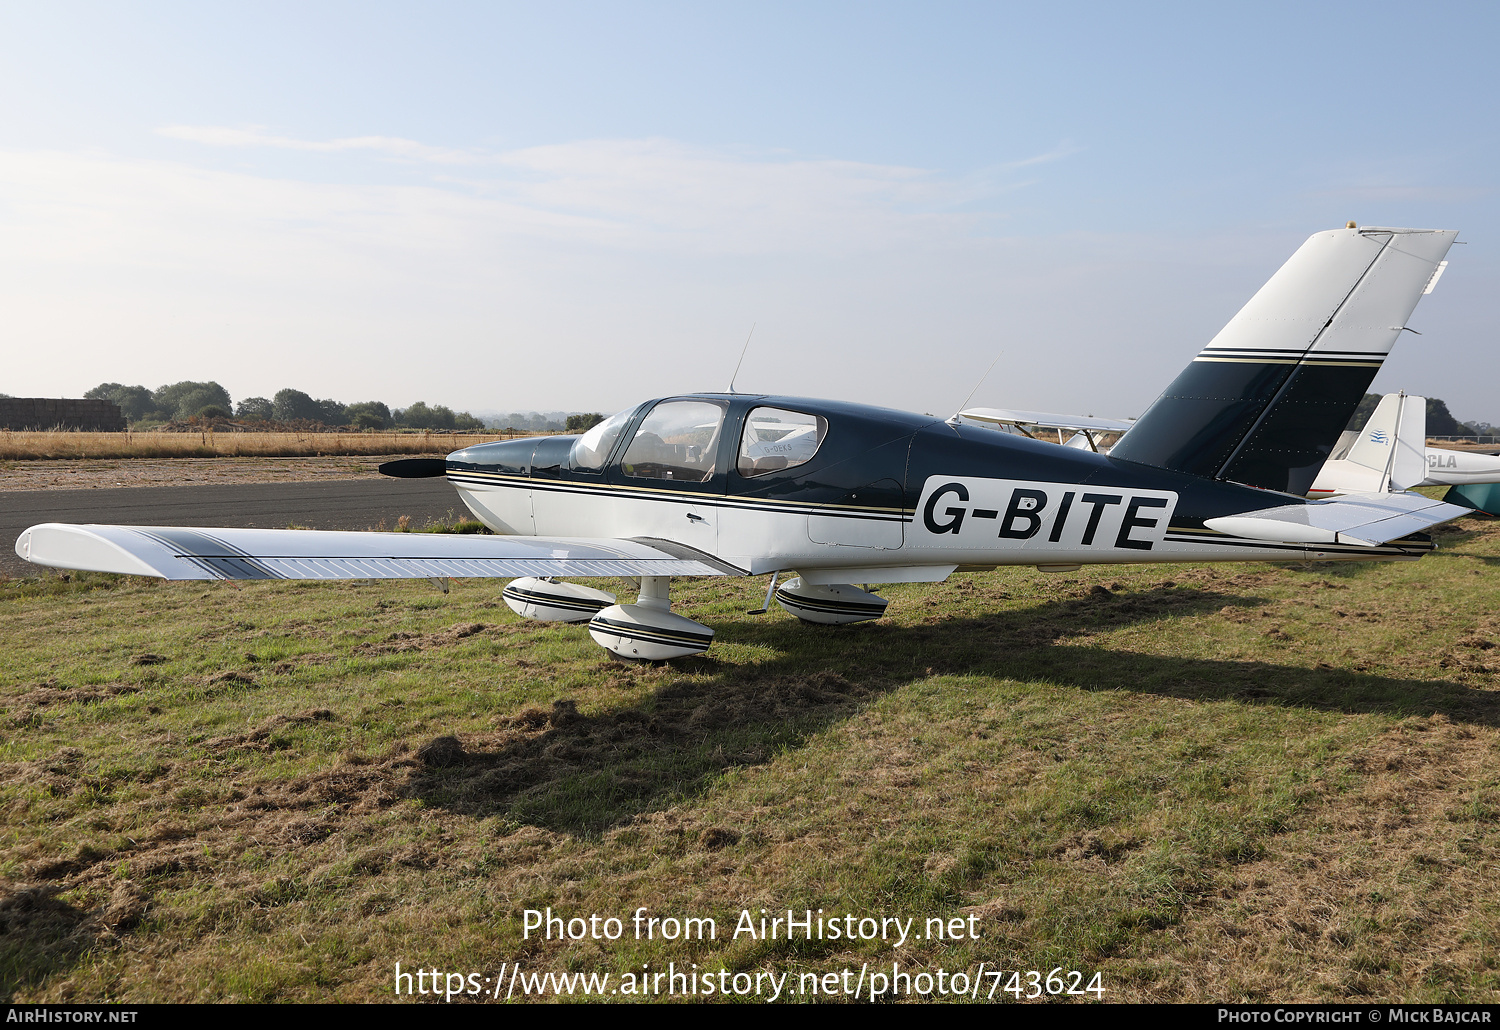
{"x":678,"y":440}
{"x":591,"y":450}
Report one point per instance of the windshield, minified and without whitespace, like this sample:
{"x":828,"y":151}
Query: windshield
{"x":679,"y":441}
{"x":591,"y":450}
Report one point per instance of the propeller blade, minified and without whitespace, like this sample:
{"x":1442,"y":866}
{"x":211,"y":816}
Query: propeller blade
{"x":415,"y":468}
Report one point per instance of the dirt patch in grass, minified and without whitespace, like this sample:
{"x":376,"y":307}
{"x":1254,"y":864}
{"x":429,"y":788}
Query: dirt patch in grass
{"x":402,"y":642}
{"x":53,"y":694}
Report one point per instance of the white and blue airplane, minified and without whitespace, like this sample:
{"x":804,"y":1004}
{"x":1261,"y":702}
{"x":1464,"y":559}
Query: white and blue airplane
{"x":1390,"y":452}
{"x":833,"y":494}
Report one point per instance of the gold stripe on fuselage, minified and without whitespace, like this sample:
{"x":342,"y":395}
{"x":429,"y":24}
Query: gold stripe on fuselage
{"x":500,"y":478}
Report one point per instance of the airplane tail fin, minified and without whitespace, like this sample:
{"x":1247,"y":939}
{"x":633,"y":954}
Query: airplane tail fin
{"x":1264,"y":403}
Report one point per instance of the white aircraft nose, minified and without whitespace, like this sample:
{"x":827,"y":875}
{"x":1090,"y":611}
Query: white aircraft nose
{"x":23,"y":545}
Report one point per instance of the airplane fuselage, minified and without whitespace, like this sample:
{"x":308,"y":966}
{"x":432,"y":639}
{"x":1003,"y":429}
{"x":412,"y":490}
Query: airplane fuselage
{"x":887,"y":496}
{"x":1454,"y":468}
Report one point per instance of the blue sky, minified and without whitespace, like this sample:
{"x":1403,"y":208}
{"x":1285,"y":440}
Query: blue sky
{"x":577,"y":206}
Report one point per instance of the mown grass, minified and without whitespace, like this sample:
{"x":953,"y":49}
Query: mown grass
{"x":33,"y":446}
{"x":1218,"y":783}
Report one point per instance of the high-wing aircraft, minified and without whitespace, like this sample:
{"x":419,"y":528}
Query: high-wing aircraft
{"x":729,"y":484}
{"x":1087,"y":431}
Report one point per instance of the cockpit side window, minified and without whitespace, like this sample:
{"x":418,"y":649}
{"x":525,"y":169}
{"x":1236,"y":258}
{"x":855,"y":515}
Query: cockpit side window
{"x":591,"y":450}
{"x":776,"y":439}
{"x":678,"y":440}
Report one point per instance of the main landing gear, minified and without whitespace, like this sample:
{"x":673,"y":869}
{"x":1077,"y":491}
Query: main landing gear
{"x":834,"y":604}
{"x":645,"y":631}
{"x":548,"y":600}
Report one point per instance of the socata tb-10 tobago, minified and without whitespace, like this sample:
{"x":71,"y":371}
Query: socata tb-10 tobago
{"x":837,"y":494}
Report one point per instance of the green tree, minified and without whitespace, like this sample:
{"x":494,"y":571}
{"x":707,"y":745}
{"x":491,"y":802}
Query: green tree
{"x":255,"y":409}
{"x":583,"y":423}
{"x":1363,"y":412}
{"x":134,"y":401}
{"x":368,"y":415}
{"x":1441,"y":423}
{"x":293,"y":406}
{"x":331,"y":412}
{"x":421,"y":416}
{"x":185,"y":399}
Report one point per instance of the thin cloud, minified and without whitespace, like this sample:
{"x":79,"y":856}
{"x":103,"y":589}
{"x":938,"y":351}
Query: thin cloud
{"x":668,"y":185}
{"x":256,"y":136}
{"x":1057,"y":153}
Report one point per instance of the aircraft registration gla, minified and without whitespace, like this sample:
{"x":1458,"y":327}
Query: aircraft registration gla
{"x":837,"y":494}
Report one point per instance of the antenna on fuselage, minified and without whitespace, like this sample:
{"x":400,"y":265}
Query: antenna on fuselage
{"x":965,"y":404}
{"x":743,"y":349}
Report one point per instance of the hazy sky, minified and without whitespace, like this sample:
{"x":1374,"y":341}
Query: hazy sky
{"x":541,"y":206}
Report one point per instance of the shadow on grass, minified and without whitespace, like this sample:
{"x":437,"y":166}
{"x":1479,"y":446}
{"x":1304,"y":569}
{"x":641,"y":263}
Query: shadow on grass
{"x":39,"y":935}
{"x":582,"y":774}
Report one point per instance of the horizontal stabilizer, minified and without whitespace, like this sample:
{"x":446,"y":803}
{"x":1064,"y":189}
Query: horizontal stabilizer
{"x":177,"y":553}
{"x":1371,"y":519}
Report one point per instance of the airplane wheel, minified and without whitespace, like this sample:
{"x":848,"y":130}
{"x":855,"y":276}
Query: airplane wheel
{"x":836,"y":605}
{"x":545,"y":600}
{"x":646,"y":633}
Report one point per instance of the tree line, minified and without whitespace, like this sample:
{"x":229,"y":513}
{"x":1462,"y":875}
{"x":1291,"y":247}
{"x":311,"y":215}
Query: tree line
{"x":180,"y":402}
{"x":1440,"y":421}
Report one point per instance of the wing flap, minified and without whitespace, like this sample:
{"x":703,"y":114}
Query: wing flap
{"x":1371,"y":519}
{"x":184,"y":553}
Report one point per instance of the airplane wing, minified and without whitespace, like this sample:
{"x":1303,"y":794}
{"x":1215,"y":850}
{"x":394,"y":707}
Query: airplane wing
{"x":1371,"y":519}
{"x":183,"y":553}
{"x":1045,"y":420}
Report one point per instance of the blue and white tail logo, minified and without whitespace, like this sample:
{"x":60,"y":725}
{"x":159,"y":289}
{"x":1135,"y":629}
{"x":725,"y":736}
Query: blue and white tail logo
{"x":1380,"y":436}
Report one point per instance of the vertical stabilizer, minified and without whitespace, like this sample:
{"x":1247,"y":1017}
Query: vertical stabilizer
{"x":1264,"y":403}
{"x":1409,"y":464}
{"x":1392,"y":444}
{"x":1374,"y":448}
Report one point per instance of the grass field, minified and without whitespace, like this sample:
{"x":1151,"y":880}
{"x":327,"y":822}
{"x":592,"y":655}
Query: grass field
{"x":30,"y":446}
{"x":1208,"y":783}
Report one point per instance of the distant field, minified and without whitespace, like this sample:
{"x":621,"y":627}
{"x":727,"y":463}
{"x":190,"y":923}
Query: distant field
{"x":34,"y":446}
{"x":1218,"y":783}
